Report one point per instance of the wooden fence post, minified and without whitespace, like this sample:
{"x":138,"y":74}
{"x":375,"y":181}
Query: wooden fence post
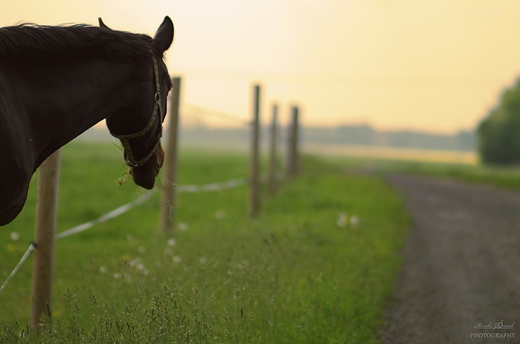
{"x":273,"y":152}
{"x":167,"y":211}
{"x":254,"y":163}
{"x":292,"y":153}
{"x":46,"y":213}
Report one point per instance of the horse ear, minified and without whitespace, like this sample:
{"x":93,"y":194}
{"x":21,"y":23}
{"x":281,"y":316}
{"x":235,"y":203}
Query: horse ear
{"x":101,"y":24}
{"x":164,"y":35}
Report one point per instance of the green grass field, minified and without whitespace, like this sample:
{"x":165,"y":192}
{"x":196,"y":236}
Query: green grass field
{"x":462,"y":166}
{"x":315,"y":267}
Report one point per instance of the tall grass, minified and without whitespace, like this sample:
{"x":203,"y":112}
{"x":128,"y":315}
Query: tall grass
{"x":314,"y":267}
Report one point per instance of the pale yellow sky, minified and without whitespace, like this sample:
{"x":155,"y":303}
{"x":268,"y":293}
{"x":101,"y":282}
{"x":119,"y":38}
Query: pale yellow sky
{"x":433,"y":65}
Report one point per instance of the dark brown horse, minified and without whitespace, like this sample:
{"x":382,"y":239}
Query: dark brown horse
{"x":58,"y":81}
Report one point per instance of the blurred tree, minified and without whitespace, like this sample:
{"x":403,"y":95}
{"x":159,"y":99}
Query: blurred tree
{"x":499,"y":132}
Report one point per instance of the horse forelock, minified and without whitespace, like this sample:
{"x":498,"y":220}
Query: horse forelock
{"x":36,"y":42}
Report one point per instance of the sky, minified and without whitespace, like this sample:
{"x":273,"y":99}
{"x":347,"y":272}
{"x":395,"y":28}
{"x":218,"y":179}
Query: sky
{"x":428,"y":65}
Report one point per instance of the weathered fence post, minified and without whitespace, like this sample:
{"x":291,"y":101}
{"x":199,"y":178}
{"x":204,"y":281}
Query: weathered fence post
{"x":167,"y":211}
{"x":46,"y":213}
{"x":273,"y":153}
{"x":254,"y":163}
{"x":292,"y":152}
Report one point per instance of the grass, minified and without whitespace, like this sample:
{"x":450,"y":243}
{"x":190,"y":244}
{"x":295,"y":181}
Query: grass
{"x":503,"y":177}
{"x":304,"y":271}
{"x":462,"y":166}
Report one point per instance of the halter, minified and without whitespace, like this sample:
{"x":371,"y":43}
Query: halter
{"x":157,"y":107}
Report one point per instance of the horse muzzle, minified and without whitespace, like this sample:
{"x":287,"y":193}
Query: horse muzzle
{"x":145,"y":175}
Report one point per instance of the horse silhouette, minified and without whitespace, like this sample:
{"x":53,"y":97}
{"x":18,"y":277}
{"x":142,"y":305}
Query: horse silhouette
{"x":58,"y":81}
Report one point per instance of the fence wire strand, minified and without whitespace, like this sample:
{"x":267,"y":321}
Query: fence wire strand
{"x":123,"y":209}
{"x":31,"y":248}
{"x":200,"y":111}
{"x":108,"y":216}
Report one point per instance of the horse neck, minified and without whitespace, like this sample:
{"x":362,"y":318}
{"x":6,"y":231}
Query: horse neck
{"x":62,"y":100}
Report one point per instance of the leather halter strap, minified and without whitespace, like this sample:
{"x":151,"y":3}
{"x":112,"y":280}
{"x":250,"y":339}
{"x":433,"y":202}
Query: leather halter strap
{"x":157,"y":107}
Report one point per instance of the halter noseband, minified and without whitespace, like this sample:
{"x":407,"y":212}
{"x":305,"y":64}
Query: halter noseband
{"x":157,"y":107}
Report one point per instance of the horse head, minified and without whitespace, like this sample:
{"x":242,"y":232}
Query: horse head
{"x":58,"y":81}
{"x":140,"y":132}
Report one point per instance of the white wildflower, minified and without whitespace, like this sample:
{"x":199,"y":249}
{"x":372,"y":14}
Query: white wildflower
{"x":354,"y":221}
{"x":342,"y":220}
{"x":103,"y":269}
{"x":134,"y":262}
{"x":183,"y":226}
{"x":171,"y":242}
{"x":176,"y":259}
{"x":15,"y":236}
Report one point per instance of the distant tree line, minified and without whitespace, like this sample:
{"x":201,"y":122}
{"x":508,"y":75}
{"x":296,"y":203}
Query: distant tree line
{"x":365,"y":135}
{"x":499,"y":132}
{"x":360,"y":135}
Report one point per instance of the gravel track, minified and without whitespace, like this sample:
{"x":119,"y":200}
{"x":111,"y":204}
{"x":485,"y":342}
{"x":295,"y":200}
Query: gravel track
{"x":461,"y":264}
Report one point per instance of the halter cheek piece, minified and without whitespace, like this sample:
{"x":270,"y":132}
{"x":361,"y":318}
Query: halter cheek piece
{"x":157,"y":107}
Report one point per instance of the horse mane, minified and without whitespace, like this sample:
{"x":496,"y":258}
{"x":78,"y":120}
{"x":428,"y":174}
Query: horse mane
{"x":42,"y":43}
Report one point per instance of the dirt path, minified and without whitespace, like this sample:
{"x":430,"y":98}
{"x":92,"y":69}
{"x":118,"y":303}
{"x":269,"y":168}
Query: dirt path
{"x":462,"y":264}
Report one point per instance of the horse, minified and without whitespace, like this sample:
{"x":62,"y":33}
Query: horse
{"x":58,"y":81}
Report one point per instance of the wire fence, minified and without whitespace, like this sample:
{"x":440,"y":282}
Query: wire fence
{"x":167,"y":204}
{"x":31,"y":248}
{"x":123,"y":209}
{"x":199,"y":111}
{"x":145,"y":197}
